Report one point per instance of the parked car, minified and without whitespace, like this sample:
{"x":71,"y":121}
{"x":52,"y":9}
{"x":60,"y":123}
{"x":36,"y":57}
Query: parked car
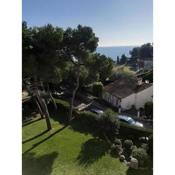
{"x":129,"y":120}
{"x":96,"y":111}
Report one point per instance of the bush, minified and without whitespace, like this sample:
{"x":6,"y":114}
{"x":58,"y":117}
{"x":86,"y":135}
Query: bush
{"x":88,"y":121}
{"x":149,"y":109}
{"x":116,"y":150}
{"x":108,"y":126}
{"x":141,"y":155}
{"x":104,"y":127}
{"x":128,"y":144}
{"x":97,"y":89}
{"x":117,"y":142}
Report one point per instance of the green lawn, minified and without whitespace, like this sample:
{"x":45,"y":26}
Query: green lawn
{"x":63,"y":151}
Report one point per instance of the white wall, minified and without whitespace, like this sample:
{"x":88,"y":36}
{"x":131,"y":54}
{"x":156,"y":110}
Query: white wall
{"x":143,"y":97}
{"x":128,"y":101}
{"x":138,"y":100}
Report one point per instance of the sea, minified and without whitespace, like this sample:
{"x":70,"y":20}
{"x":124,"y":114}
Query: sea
{"x":115,"y":51}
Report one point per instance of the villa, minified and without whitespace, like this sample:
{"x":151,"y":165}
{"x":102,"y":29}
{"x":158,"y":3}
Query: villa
{"x":126,"y":92}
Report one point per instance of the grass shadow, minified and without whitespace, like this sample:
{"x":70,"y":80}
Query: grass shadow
{"x":33,"y":121}
{"x":32,"y":165}
{"x":91,"y":151}
{"x":76,"y":125}
{"x":48,"y":137}
{"x":34,"y":137}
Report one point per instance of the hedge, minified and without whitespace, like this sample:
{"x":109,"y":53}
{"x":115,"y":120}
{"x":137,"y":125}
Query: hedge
{"x":88,"y":120}
{"x":136,"y":132}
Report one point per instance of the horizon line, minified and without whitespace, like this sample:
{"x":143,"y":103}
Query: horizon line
{"x":127,"y":45}
{"x":121,"y":46}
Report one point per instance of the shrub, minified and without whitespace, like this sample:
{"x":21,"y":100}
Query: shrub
{"x":108,"y":126}
{"x":122,"y":158}
{"x":97,"y":89}
{"x":128,"y":144}
{"x":148,"y":109}
{"x":116,"y":150}
{"x":141,"y":155}
{"x":88,"y":121}
{"x":117,"y":142}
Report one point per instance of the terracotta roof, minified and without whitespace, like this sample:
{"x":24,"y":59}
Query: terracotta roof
{"x":124,"y":87}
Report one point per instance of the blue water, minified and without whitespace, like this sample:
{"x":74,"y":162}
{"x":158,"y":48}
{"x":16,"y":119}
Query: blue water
{"x":115,"y":51}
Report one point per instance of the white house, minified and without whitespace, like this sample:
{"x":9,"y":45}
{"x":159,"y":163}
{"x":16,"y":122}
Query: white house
{"x":125,"y":92}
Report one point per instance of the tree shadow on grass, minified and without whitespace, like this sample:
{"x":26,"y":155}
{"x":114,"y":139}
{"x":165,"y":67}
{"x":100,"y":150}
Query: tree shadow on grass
{"x":48,"y":137}
{"x":34,"y":137}
{"x":30,"y":122}
{"x":91,"y":151}
{"x":139,"y":172}
{"x":32,"y":165}
{"x":77,"y":125}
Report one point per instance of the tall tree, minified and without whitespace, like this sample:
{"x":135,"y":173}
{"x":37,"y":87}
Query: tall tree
{"x":78,"y":44}
{"x":143,"y":52}
{"x":146,"y":51}
{"x":103,"y":66}
{"x":118,"y":60}
{"x":135,"y":53}
{"x":123,"y":59}
{"x":41,"y":59}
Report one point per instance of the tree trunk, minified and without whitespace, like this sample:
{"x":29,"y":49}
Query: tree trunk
{"x":39,"y":108}
{"x":73,"y":94}
{"x":50,"y":95}
{"x":43,"y":107}
{"x":47,"y":116}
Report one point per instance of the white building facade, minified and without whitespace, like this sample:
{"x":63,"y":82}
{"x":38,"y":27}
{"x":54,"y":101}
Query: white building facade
{"x":137,"y":99}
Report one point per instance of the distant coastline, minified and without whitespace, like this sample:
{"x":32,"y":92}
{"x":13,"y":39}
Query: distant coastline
{"x":122,"y":46}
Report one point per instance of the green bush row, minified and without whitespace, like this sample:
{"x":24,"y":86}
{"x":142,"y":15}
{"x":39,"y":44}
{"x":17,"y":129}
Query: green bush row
{"x":105,"y":126}
{"x":129,"y":130}
{"x":88,"y":122}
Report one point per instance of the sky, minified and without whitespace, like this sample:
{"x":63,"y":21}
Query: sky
{"x":115,"y":22}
